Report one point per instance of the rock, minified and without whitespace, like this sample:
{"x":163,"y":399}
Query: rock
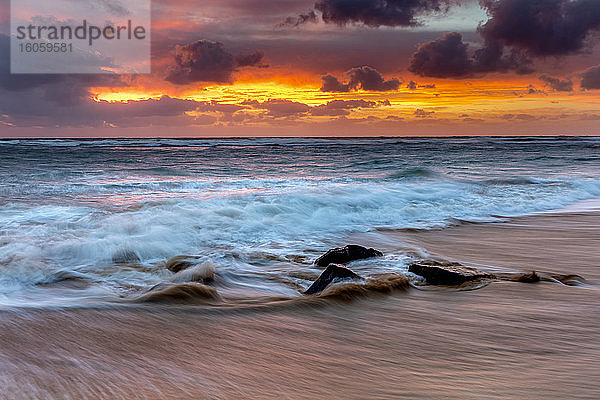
{"x":181,"y":293}
{"x":527,"y":277}
{"x":569,"y":280}
{"x":535,"y":277}
{"x":179,"y":263}
{"x":446,"y":273}
{"x":202,"y":273}
{"x":332,"y":272}
{"x":343,"y":255}
{"x":530,"y":277}
{"x":125,"y":256}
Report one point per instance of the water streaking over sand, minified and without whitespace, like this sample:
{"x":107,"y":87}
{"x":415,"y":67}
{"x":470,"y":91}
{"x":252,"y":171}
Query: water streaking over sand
{"x":508,"y":340}
{"x":88,"y":221}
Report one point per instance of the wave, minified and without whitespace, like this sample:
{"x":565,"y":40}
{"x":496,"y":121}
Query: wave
{"x":382,"y":284}
{"x":193,"y":293}
{"x":38,"y":240}
{"x":114,"y":211}
{"x":413,"y":173}
{"x":181,"y":293}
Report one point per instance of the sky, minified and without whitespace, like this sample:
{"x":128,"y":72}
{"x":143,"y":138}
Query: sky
{"x":331,"y":68}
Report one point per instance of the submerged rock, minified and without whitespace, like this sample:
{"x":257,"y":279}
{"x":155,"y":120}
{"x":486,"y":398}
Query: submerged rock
{"x":447,"y":273}
{"x":125,"y":256}
{"x":203,"y":273}
{"x":535,"y":277}
{"x":569,"y":280}
{"x":343,"y":255}
{"x":179,"y":263}
{"x":181,"y":293}
{"x":527,"y":277}
{"x":332,"y":272}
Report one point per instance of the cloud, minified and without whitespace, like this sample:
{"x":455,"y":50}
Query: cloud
{"x":533,"y":90}
{"x":420,"y":113}
{"x":376,"y":13}
{"x":516,"y":33}
{"x":332,"y":84}
{"x":208,"y":61}
{"x":560,"y":85}
{"x":26,"y":109}
{"x":365,"y":78}
{"x":522,"y":117}
{"x":279,"y":108}
{"x":62,"y":89}
{"x":541,"y":27}
{"x":443,"y":58}
{"x":590,"y":78}
{"x":250,"y":60}
{"x":449,"y":57}
{"x":341,"y":107}
{"x":301,"y":19}
{"x":282,"y":108}
{"x":412,"y":85}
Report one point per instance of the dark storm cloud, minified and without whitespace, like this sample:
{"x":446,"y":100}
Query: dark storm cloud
{"x":541,"y":27}
{"x":333,"y":84}
{"x":369,"y":78}
{"x":207,"y":61}
{"x":449,"y":57}
{"x":517,"y":32}
{"x":379,"y":12}
{"x":365,"y":78}
{"x":590,"y":79}
{"x":443,"y":58}
{"x":560,"y":85}
{"x":493,"y":57}
{"x":249,"y":60}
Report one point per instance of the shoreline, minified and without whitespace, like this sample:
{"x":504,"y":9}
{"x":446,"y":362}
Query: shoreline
{"x":506,"y":340}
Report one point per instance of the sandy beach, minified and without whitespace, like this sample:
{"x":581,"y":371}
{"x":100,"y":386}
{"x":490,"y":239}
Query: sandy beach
{"x":506,"y":340}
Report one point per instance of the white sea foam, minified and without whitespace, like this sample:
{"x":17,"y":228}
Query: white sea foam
{"x":57,"y":222}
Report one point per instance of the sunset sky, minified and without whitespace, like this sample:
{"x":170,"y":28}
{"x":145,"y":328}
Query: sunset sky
{"x":332,"y":68}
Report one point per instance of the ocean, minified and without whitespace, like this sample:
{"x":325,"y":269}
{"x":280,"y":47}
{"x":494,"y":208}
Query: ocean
{"x":257,"y":211}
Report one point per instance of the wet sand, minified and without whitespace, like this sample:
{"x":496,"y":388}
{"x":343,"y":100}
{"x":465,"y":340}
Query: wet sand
{"x":507,"y":340}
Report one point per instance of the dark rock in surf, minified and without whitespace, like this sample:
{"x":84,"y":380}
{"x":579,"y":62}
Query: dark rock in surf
{"x":179,"y":263}
{"x":535,"y":277}
{"x":569,"y":280}
{"x":447,"y":273}
{"x":202,"y":273}
{"x":343,"y":255}
{"x":528,"y":277}
{"x":181,"y":293}
{"x":332,"y":273}
{"x":125,"y":256}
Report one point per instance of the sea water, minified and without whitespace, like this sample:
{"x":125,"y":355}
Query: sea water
{"x":257,"y":209}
